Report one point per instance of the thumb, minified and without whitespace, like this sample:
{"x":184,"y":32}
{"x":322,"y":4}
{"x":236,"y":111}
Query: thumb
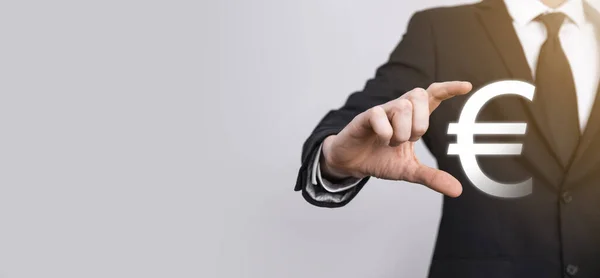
{"x":437,"y":180}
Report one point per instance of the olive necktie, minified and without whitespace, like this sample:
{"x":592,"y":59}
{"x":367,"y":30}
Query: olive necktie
{"x":555,"y":90}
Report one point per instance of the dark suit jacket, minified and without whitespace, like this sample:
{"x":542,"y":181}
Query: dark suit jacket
{"x":555,"y":231}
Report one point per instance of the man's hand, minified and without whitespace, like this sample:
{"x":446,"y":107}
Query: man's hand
{"x":380,"y":141}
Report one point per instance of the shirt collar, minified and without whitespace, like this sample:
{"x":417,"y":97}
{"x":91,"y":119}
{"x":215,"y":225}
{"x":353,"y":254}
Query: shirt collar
{"x":525,"y":11}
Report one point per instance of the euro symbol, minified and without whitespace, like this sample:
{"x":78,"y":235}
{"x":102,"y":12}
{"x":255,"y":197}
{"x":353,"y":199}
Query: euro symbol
{"x":466,"y":149}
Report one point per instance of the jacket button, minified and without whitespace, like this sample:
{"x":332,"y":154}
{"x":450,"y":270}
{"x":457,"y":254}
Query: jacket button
{"x":572,"y":269}
{"x":567,"y":197}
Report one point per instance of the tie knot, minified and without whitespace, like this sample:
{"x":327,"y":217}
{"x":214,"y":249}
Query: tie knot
{"x":553,"y":22}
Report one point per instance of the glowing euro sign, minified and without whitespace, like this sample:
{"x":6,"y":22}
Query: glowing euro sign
{"x":466,"y":149}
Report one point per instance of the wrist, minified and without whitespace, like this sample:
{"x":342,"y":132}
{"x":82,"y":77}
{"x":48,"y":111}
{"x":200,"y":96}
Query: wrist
{"x":332,"y":171}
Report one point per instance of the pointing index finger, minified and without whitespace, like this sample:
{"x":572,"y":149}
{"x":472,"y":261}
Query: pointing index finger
{"x":439,"y":92}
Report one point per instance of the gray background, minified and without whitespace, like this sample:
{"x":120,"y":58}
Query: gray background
{"x":162,"y":139}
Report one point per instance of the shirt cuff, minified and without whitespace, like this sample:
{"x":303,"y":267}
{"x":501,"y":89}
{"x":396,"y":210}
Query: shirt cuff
{"x":329,"y":186}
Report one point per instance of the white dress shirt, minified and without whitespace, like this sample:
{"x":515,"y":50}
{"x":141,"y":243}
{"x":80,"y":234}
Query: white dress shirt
{"x":580,"y":44}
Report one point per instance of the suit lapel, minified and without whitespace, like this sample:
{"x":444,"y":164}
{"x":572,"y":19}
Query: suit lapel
{"x":498,"y":25}
{"x":586,"y":157}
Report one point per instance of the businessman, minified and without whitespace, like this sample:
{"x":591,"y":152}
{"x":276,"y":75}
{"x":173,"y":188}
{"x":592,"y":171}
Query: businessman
{"x":553,"y":44}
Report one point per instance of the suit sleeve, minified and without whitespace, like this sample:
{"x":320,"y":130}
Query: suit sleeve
{"x":410,"y":65}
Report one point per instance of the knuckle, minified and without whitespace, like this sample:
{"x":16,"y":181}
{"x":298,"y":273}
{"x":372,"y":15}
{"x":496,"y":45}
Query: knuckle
{"x":435,"y":86}
{"x":386,"y":133}
{"x":403,"y":105}
{"x":419,"y":93}
{"x":378,"y":110}
{"x":375,"y":111}
{"x":401,"y":137}
{"x":402,"y":134}
{"x":386,"y":136}
{"x":419,"y":129}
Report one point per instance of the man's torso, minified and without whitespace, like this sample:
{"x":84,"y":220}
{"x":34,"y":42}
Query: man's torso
{"x":553,"y":231}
